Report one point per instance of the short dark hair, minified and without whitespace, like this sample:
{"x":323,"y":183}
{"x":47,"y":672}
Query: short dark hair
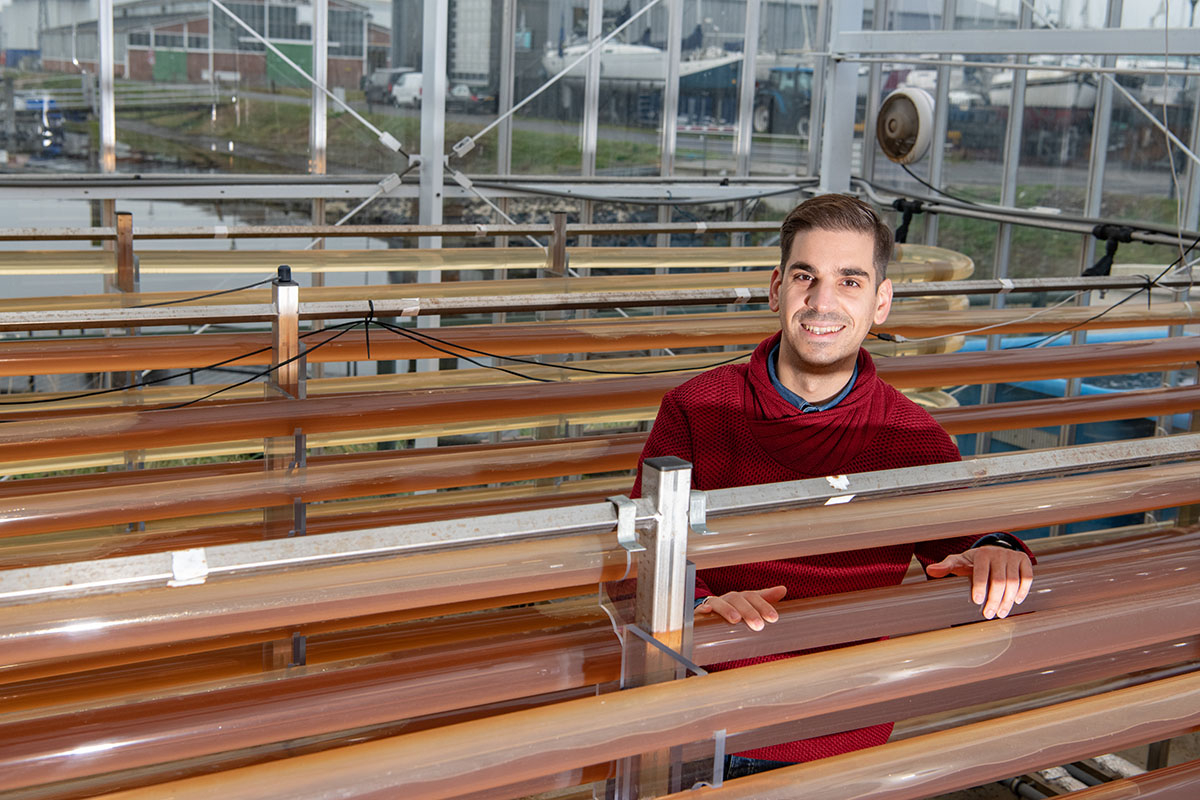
{"x":837,"y":212}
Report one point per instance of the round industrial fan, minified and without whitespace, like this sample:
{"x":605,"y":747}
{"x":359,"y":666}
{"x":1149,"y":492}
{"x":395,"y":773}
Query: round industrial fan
{"x":904,"y":127}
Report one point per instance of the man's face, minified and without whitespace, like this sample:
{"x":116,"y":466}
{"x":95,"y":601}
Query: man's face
{"x":827,"y":298}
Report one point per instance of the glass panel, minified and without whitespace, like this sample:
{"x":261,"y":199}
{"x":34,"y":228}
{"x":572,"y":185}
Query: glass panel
{"x":784,"y":79}
{"x":1144,"y":173}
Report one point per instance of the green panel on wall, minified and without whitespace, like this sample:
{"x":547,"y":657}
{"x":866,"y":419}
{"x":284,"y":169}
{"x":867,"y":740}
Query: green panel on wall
{"x":279,"y":72}
{"x":170,"y":65}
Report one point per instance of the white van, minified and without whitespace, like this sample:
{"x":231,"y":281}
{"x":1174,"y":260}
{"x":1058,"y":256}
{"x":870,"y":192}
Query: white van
{"x":406,"y":90}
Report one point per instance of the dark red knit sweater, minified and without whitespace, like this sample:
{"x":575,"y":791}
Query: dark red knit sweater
{"x":733,"y":427}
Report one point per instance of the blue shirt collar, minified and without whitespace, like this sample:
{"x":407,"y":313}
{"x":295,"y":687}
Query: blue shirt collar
{"x":796,"y":400}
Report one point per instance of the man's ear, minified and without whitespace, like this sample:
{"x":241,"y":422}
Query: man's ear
{"x":776,"y":282}
{"x":883,"y":301}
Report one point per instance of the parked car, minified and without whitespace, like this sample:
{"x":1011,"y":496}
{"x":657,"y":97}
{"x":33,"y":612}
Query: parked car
{"x":406,"y":90}
{"x":378,"y":85}
{"x":462,"y":97}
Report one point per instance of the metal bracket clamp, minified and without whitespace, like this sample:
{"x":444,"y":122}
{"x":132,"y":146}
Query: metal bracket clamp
{"x":627,"y":523}
{"x":698,"y":513}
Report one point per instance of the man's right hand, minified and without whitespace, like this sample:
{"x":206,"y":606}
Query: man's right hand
{"x":754,"y":607}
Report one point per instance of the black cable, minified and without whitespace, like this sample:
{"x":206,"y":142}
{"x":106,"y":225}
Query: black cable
{"x":414,"y":333}
{"x":407,"y":333}
{"x":266,"y":371}
{"x":1150,"y":284}
{"x":929,"y":185}
{"x":153,"y":381}
{"x":204,"y":296}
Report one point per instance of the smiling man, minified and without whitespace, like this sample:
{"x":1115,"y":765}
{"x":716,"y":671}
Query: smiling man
{"x":809,"y":404}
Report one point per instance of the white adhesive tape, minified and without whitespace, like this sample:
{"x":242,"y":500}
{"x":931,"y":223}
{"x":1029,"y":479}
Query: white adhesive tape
{"x":481,"y":230}
{"x":701,"y":227}
{"x":841,"y":498}
{"x":1006,"y":286}
{"x":221,"y":231}
{"x":743,"y":295}
{"x":411,"y":311}
{"x":188,"y":567}
{"x":839,"y":482}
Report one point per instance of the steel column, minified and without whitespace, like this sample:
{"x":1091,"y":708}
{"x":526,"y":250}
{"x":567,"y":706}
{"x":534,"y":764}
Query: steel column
{"x":433,"y":147}
{"x":661,"y":600}
{"x":108,"y":109}
{"x":816,"y":108}
{"x":941,"y":121}
{"x":591,"y":90}
{"x":1097,"y":162}
{"x":874,"y":89}
{"x":841,"y":84}
{"x":1008,"y":194}
{"x":742,"y":142}
{"x":670,"y":106}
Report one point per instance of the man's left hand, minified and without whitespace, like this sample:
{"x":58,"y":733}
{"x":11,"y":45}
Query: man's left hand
{"x":1000,"y":576}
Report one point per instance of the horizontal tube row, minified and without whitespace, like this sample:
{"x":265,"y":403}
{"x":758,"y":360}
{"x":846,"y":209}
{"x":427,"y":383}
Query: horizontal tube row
{"x":303,"y":594}
{"x":477,"y":755}
{"x":124,"y":430}
{"x":256,"y":711}
{"x":986,"y":751}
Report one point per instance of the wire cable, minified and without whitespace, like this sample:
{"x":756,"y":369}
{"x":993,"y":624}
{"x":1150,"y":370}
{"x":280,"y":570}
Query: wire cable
{"x":268,"y":370}
{"x":1150,"y":284}
{"x":153,"y":381}
{"x":205,"y":296}
{"x":420,"y":336}
{"x":929,"y":185}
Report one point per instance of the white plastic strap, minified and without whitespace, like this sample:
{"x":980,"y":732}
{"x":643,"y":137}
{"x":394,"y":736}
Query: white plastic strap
{"x":411,"y":311}
{"x":220,"y":232}
{"x":701,"y":227}
{"x":188,"y":567}
{"x":1006,"y":285}
{"x":481,"y":230}
{"x":743,"y":295}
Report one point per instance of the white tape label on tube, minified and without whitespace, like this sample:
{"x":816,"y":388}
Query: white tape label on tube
{"x":411,"y":311}
{"x":220,"y":232}
{"x":188,"y":567}
{"x":1006,"y":286}
{"x":743,"y":295}
{"x":701,"y":227}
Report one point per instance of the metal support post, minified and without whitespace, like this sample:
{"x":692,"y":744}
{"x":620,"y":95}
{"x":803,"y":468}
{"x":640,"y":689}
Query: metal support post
{"x":556,"y":267}
{"x":1097,"y":162}
{"x":108,"y":107}
{"x":285,"y":336}
{"x":841,"y":84}
{"x":1008,"y":194}
{"x":874,"y":90}
{"x":941,"y":124}
{"x":556,"y":258}
{"x":318,"y":129}
{"x":659,"y":607}
{"x":508,"y":23}
{"x":670,"y":109}
{"x":742,"y":142}
{"x":433,"y":148}
{"x":286,"y":382}
{"x":816,"y":109}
